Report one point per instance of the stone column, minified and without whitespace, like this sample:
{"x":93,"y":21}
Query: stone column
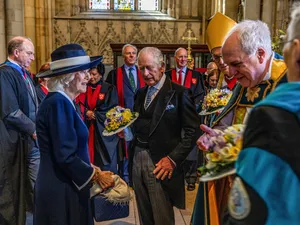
{"x":40,"y":33}
{"x":164,"y":6}
{"x":83,"y":5}
{"x":267,"y":15}
{"x":177,"y":9}
{"x":203,"y":27}
{"x":183,"y":10}
{"x":194,"y":8}
{"x":111,"y":4}
{"x":63,"y":7}
{"x":170,"y":10}
{"x":2,"y":32}
{"x":14,"y":18}
{"x":29,"y":28}
{"x":252,"y":9}
{"x":232,"y":7}
{"x":75,"y":7}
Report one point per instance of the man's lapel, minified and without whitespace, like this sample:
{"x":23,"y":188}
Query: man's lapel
{"x":31,"y":89}
{"x":140,"y":99}
{"x":185,"y":75}
{"x":138,"y":86}
{"x":164,"y":97}
{"x":34,"y":97}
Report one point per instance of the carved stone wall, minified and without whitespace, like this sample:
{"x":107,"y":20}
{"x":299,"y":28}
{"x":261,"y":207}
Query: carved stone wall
{"x":95,"y":31}
{"x":51,"y":23}
{"x":96,"y":35}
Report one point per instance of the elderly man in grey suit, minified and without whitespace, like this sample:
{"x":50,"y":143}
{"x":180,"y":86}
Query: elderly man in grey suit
{"x":164,"y":136}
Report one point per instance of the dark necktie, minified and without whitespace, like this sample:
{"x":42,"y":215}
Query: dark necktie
{"x":131,"y":79}
{"x":151,"y":91}
{"x":26,"y":79}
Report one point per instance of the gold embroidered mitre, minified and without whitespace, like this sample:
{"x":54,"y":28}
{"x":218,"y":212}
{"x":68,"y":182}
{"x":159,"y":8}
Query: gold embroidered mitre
{"x":217,"y":29}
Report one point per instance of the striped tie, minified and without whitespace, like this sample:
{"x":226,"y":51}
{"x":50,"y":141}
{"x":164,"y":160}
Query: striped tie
{"x":151,"y":91}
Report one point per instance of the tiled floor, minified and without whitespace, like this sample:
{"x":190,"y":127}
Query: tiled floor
{"x":182,"y":217}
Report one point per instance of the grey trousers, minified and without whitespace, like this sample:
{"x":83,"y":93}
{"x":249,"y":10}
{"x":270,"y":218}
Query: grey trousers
{"x":154,"y":205}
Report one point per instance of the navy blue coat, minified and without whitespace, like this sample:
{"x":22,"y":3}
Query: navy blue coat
{"x":62,"y":186}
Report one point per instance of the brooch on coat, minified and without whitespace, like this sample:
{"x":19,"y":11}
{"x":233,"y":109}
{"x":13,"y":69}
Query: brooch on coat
{"x":252,"y":93}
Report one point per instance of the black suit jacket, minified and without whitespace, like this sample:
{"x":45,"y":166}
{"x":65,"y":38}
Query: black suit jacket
{"x":172,"y":132}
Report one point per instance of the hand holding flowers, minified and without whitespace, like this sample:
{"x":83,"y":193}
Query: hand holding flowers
{"x":204,"y":141}
{"x":224,"y":148}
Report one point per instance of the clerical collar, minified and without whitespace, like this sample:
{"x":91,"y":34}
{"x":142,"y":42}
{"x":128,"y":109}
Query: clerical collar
{"x":14,"y":62}
{"x":268,"y":74}
{"x":183,"y":69}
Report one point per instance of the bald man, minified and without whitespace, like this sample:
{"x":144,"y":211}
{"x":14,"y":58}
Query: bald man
{"x":194,"y":81}
{"x":210,"y":67}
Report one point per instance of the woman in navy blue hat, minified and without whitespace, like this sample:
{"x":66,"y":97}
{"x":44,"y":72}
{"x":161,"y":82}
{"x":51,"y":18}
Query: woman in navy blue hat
{"x":65,"y":175}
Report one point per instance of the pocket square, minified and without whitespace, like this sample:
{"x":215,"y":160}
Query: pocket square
{"x":169,"y":107}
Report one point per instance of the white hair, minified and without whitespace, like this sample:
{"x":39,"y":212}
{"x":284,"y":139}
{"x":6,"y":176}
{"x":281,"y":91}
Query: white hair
{"x":294,"y":25}
{"x":155,"y":52}
{"x":128,"y":45}
{"x":59,"y":83}
{"x":178,"y":49}
{"x":252,"y":35}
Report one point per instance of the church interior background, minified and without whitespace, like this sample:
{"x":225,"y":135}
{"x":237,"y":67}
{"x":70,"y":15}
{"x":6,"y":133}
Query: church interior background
{"x":96,"y":24}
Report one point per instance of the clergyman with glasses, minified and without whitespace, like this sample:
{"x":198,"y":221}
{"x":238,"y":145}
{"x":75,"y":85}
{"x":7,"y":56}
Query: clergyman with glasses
{"x":215,"y":36}
{"x":216,"y":31}
{"x":266,"y":188}
{"x":247,"y":52}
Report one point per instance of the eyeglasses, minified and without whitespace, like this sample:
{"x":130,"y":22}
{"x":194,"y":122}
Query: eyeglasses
{"x":217,"y":58}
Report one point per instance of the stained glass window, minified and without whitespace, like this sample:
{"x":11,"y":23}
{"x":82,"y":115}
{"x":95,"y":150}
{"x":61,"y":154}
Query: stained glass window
{"x":124,"y":4}
{"x":99,"y":4}
{"x":148,"y":4}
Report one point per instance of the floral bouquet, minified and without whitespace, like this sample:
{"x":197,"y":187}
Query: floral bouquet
{"x":215,"y":100}
{"x":223,"y":152}
{"x":117,"y":119}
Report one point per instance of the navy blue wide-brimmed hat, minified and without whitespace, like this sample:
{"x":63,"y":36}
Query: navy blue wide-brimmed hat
{"x":69,"y":58}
